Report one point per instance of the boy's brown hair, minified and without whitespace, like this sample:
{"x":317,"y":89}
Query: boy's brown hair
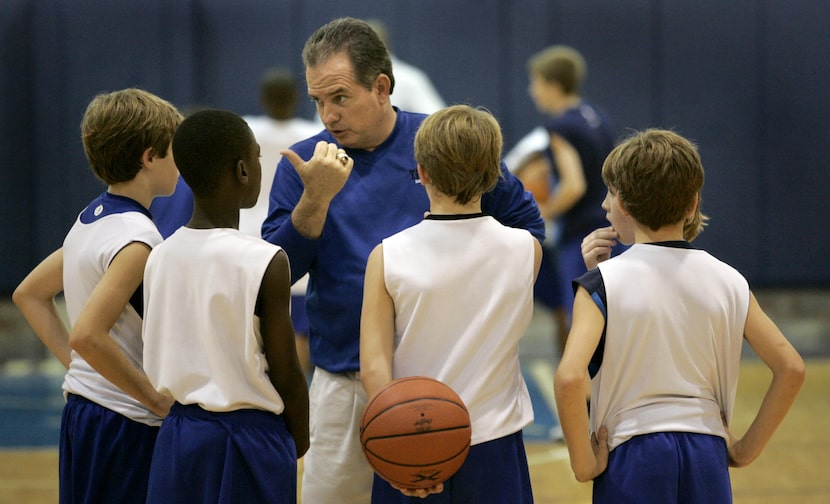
{"x":561,"y":64}
{"x":118,"y":127}
{"x":459,"y":148}
{"x":656,"y":175}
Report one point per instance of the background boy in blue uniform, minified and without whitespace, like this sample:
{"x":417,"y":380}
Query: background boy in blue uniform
{"x":661,"y":327}
{"x":581,"y":136}
{"x":450,"y":298}
{"x":329,"y":218}
{"x":110,"y":422}
{"x":218,"y":335}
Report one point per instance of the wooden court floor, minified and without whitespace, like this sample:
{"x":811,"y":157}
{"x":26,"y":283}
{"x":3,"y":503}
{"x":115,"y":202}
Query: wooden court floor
{"x":795,"y":468}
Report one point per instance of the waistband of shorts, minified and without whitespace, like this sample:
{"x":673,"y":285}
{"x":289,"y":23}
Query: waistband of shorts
{"x":248,"y":414}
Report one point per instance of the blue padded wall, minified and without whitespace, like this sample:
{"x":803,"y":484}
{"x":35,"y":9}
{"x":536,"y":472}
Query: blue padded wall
{"x":744,"y":79}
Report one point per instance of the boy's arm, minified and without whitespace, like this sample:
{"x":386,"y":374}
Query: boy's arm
{"x":788,"y":372}
{"x":588,"y":452}
{"x":377,"y":334}
{"x":284,"y":369}
{"x":90,"y":335}
{"x":571,"y":185}
{"x":377,"y":327}
{"x":35,"y":298}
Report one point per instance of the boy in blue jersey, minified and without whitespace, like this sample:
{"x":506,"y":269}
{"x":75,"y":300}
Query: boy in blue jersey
{"x":111,"y":418}
{"x":581,"y":136}
{"x":423,"y":314}
{"x":660,"y":329}
{"x":329,"y":219}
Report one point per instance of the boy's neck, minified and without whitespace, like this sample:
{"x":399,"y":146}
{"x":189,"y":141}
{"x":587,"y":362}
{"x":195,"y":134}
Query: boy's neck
{"x":448,"y":206}
{"x":134,"y":190}
{"x":214,"y":214}
{"x":644,"y":234}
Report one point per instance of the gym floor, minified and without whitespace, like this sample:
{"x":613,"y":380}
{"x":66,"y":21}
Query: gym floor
{"x":792,"y":469}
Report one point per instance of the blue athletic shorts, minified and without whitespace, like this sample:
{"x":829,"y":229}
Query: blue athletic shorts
{"x":103,"y":456}
{"x":229,"y":457}
{"x":547,"y":289}
{"x":494,"y":472}
{"x":671,"y":467}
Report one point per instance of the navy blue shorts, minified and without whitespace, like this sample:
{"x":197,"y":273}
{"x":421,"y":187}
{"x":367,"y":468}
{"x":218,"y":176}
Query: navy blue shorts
{"x":494,"y":472}
{"x":547,"y":289}
{"x":104,"y":456}
{"x":676,"y":467}
{"x":230,"y":457}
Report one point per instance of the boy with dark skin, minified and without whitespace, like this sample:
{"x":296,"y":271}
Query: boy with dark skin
{"x":226,"y":353}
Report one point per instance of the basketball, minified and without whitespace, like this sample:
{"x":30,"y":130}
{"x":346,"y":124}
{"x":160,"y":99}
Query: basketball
{"x":535,"y":176}
{"x":415,"y":432}
{"x":539,"y":188}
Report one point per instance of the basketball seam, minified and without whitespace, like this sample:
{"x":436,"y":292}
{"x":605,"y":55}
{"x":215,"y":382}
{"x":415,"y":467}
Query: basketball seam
{"x":433,"y":463}
{"x":399,"y":404}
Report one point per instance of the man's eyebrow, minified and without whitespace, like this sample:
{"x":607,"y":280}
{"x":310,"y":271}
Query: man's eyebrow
{"x":337,"y":91}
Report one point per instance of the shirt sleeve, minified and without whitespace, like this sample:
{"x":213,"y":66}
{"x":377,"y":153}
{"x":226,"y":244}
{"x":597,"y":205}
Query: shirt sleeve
{"x":511,"y":205}
{"x":278,"y":227}
{"x":593,"y":283}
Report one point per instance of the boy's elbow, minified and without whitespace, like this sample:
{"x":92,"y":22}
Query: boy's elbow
{"x":302,"y":446}
{"x":18,"y":296}
{"x":565,"y":379}
{"x":22,"y":298}
{"x":797,"y":372}
{"x":81,"y":341}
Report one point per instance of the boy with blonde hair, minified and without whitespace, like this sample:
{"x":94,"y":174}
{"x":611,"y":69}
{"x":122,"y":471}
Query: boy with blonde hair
{"x":660,"y":330}
{"x":112,"y":414}
{"x":450,"y":298}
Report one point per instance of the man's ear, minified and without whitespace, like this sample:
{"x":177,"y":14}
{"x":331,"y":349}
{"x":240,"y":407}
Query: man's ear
{"x":383,"y":85}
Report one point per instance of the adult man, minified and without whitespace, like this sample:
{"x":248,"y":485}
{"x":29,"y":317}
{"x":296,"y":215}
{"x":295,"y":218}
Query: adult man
{"x":329,"y":216}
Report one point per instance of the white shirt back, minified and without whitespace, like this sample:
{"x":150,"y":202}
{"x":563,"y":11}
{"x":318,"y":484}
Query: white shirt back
{"x":463,"y":295}
{"x":675,"y":324}
{"x":202,"y":341}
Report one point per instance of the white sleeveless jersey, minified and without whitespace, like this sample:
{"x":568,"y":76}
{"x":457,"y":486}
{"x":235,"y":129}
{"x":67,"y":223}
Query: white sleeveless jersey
{"x":108,"y":225}
{"x":675,"y":325}
{"x":463,"y":295}
{"x":202,"y":341}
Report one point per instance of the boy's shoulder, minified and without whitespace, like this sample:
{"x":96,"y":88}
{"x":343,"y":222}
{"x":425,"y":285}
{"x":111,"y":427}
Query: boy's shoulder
{"x":114,"y":220}
{"x":108,"y":204}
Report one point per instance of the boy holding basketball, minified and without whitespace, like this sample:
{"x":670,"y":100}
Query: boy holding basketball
{"x":660,"y":329}
{"x":450,"y":298}
{"x":225,"y":351}
{"x":112,"y":412}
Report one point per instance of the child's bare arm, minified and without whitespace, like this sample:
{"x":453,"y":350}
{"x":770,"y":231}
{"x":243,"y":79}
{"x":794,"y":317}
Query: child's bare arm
{"x":90,"y":335}
{"x":35,"y":298}
{"x":284,"y":369}
{"x":588,"y":451}
{"x":377,"y":327}
{"x":788,"y":372}
{"x":571,"y":185}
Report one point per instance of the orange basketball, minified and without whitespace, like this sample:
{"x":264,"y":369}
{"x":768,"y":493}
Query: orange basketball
{"x":416,"y":432}
{"x":539,"y":188}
